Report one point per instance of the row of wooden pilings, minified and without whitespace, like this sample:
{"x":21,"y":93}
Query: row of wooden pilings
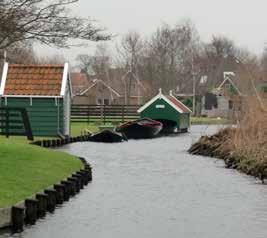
{"x":59,"y":142}
{"x":50,"y":198}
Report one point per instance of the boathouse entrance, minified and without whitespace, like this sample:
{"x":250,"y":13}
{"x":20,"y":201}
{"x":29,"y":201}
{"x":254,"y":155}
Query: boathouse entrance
{"x":167,"y":109}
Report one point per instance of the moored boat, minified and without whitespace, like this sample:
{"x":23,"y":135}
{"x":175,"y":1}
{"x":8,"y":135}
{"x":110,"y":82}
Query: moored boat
{"x":140,"y":129}
{"x":107,"y":136}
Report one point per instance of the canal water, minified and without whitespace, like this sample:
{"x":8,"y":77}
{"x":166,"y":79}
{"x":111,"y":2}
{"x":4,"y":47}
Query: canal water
{"x":154,"y":188}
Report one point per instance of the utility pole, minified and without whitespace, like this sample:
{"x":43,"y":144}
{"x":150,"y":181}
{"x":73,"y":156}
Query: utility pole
{"x":4,"y":56}
{"x":194,"y":94}
{"x":194,"y":83}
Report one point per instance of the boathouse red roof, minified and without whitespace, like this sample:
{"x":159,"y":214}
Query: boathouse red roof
{"x":178,"y":104}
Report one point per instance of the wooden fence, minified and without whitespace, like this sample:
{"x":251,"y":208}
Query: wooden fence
{"x":15,"y":121}
{"x":104,"y":113}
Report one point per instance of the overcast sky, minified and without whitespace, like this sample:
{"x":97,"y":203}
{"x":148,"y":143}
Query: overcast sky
{"x":244,"y":21}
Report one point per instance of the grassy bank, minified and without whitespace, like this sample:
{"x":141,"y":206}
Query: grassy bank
{"x":27,"y":169}
{"x":209,"y":121}
{"x":251,"y":161}
{"x":243,"y":147}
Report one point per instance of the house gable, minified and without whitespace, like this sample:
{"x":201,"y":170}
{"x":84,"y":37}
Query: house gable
{"x":229,"y":86}
{"x":160,"y":109}
{"x":170,"y":100}
{"x":99,"y":81}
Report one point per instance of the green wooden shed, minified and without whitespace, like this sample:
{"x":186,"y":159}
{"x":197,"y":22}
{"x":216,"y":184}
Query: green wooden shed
{"x":169,"y":110}
{"x":45,"y":92}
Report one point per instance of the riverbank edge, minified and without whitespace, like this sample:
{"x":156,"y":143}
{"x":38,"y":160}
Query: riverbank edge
{"x":53,"y":143}
{"x":212,"y":146}
{"x":33,"y":208}
{"x":209,"y":121}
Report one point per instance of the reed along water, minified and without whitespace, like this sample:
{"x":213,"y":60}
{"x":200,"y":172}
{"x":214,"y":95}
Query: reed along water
{"x":154,"y":188}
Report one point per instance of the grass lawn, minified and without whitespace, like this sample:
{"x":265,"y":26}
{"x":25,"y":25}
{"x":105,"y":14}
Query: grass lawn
{"x":27,"y":169}
{"x":208,"y":121}
{"x":78,"y":127}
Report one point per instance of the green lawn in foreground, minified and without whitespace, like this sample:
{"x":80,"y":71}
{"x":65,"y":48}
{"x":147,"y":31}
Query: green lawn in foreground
{"x":27,"y":169}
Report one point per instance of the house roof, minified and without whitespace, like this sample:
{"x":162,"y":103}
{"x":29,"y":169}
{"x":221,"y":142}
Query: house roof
{"x":170,"y":99}
{"x":117,"y":79}
{"x":34,"y":80}
{"x":97,"y":81}
{"x":179,"y":104}
{"x":80,"y":82}
{"x":228,"y":78}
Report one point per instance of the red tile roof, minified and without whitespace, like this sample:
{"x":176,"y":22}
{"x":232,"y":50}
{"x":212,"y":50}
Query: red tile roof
{"x":41,"y":80}
{"x":178,"y":104}
{"x":79,"y":82}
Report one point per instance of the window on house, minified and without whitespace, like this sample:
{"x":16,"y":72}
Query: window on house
{"x":99,"y":101}
{"x":231,"y":104}
{"x":106,"y":101}
{"x":227,"y":86}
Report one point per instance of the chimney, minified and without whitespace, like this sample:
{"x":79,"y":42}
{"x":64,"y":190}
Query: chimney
{"x":160,"y":93}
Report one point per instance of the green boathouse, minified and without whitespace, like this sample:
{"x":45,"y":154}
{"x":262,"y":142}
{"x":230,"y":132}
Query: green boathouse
{"x":45,"y":92}
{"x":169,"y":110}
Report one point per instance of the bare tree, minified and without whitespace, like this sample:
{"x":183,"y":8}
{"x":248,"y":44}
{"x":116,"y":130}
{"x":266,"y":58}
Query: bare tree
{"x":96,"y":65}
{"x":85,"y":63}
{"x":170,"y":55}
{"x":102,"y":61}
{"x":130,"y":51}
{"x":19,"y":53}
{"x":46,"y":21}
{"x":264,"y":60}
{"x":221,"y":46}
{"x":54,"y":59}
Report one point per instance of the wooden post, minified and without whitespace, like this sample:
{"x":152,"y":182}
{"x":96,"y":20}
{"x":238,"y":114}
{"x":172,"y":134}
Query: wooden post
{"x":17,"y":219}
{"x":101,"y":112}
{"x":76,"y":184}
{"x":104,"y":113}
{"x":31,"y":207}
{"x":53,"y":143}
{"x":80,"y":178}
{"x":60,"y":193}
{"x":7,"y":122}
{"x":42,"y":204}
{"x":88,"y":115}
{"x":67,"y":190}
{"x":84,"y":177}
{"x":123,"y":113}
{"x":70,"y":187}
{"x":89,"y":170}
{"x":27,"y":124}
{"x":52,"y":200}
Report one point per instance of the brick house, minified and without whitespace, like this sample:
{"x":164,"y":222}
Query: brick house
{"x":224,"y":99}
{"x":109,"y":91}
